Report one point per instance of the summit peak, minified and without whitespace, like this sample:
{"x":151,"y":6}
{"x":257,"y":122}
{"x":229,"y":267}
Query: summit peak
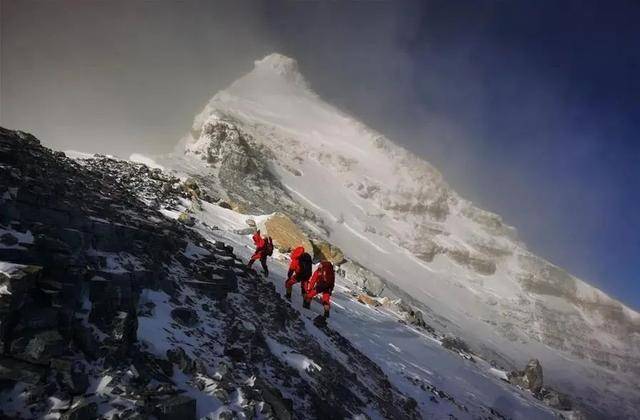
{"x":279,"y":65}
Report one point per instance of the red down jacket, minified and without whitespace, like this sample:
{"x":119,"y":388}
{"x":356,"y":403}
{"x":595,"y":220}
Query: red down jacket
{"x":264,"y":246}
{"x":323,"y":278}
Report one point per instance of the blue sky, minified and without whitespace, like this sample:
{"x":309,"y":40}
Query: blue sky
{"x":530,"y":108}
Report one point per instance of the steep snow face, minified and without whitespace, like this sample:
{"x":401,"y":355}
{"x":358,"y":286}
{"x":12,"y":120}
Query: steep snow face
{"x":394,"y":214}
{"x":443,"y":384}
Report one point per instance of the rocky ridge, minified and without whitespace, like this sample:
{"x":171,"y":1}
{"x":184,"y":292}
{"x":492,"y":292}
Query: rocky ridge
{"x":108,"y":309}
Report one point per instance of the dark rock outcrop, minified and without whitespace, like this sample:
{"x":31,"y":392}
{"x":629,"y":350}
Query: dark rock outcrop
{"x":455,"y":344}
{"x":555,"y":399}
{"x":82,"y":411}
{"x":20,"y":371}
{"x":179,"y":407}
{"x":78,"y":293}
{"x":185,"y":316}
{"x":71,"y":294}
{"x":530,"y":378}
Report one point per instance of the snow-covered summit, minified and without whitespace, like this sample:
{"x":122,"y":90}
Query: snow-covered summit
{"x":291,"y":119}
{"x":281,"y":65}
{"x":275,"y":75}
{"x":275,"y":145}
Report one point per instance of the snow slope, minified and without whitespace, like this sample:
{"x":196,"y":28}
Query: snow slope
{"x":394,"y":214}
{"x":414,"y":361}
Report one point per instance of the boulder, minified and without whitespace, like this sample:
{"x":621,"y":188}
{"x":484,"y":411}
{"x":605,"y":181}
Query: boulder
{"x":530,"y":378}
{"x":555,"y":399}
{"x":39,"y":347}
{"x":186,"y":219}
{"x":282,"y":407}
{"x":177,"y":407}
{"x":239,"y":207}
{"x":17,"y":278}
{"x":236,"y":353}
{"x":533,"y":372}
{"x":324,"y":251}
{"x":242,"y":340}
{"x":19,"y":371}
{"x":110,"y":293}
{"x":368,"y":300}
{"x":415,"y":318}
{"x":85,"y":340}
{"x":226,"y":414}
{"x":124,"y":328}
{"x":285,"y":233}
{"x":34,"y":318}
{"x":360,"y":276}
{"x":81,"y":411}
{"x":191,"y":188}
{"x":71,"y":374}
{"x":180,"y":358}
{"x":186,"y":317}
{"x":8,"y":239}
{"x":455,"y":344}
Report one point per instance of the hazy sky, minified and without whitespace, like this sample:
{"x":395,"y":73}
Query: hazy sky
{"x":529,"y":108}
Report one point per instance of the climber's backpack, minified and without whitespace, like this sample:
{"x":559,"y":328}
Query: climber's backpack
{"x":328,"y":275}
{"x":306,"y":266}
{"x":268,"y":247}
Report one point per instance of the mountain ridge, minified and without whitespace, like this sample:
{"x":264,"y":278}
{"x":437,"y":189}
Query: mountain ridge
{"x":287,"y":68}
{"x":385,"y":200}
{"x":137,"y":300}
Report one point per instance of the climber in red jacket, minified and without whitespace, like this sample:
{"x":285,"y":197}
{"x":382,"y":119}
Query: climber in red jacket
{"x":322,"y":281}
{"x":299,"y":271}
{"x":264,"y":249}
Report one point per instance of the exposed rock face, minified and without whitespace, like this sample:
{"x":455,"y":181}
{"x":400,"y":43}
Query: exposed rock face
{"x":530,"y":378}
{"x":240,"y":168}
{"x":455,"y":343}
{"x":491,"y":222}
{"x":324,"y":251}
{"x":547,"y":279}
{"x":185,"y":316}
{"x":426,"y":249}
{"x":98,"y":275}
{"x":91,"y":242}
{"x":286,"y":234}
{"x":38,"y":347}
{"x":82,"y":411}
{"x":556,"y":399}
{"x":19,"y":371}
{"x":179,"y":407}
{"x":179,"y":357}
{"x":566,"y":329}
{"x":368,"y":300}
{"x":360,"y":276}
{"x":478,"y":263}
